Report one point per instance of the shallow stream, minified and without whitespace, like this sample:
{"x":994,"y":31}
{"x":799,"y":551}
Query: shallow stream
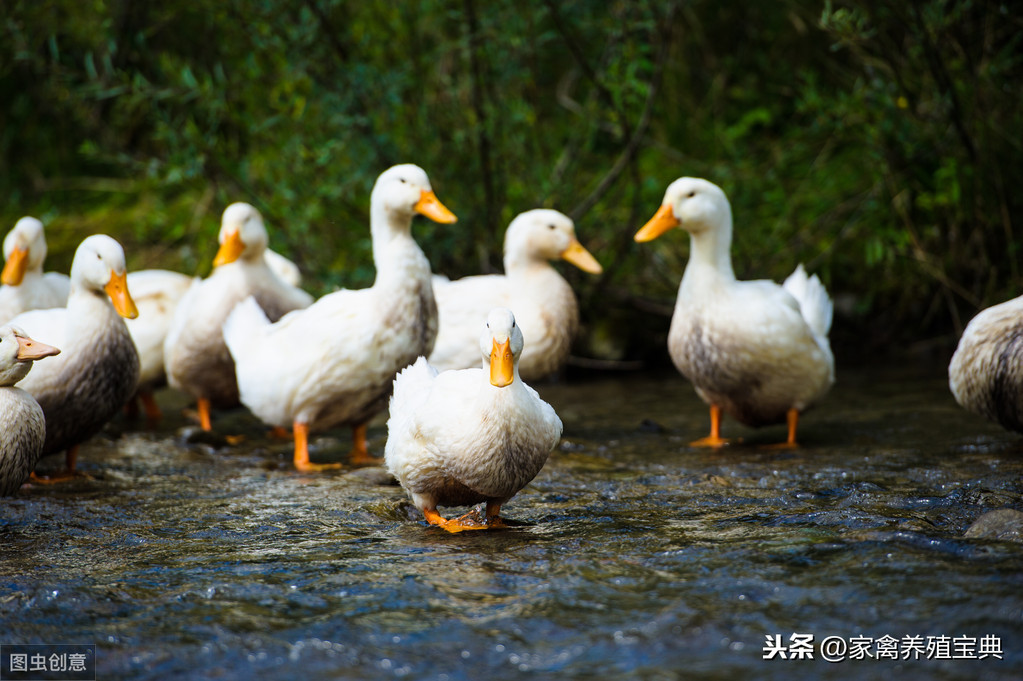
{"x":637,"y":557}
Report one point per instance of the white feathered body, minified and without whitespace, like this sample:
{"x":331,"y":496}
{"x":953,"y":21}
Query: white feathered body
{"x":22,"y":433}
{"x":986,"y":372}
{"x":94,"y":375}
{"x":37,"y":291}
{"x":333,"y":363}
{"x":156,"y":294}
{"x":754,"y":348}
{"x":195,"y":355}
{"x":544,"y":306}
{"x":454,"y":439}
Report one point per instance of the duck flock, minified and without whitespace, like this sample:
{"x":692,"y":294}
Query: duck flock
{"x":448,"y":359}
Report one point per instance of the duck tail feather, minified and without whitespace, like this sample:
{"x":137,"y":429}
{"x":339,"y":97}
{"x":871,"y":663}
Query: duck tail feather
{"x":814,"y":301}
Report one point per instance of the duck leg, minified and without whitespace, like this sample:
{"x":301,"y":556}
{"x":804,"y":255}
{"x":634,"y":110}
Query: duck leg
{"x":204,"y":414}
{"x":494,"y":520}
{"x":302,"y":462}
{"x":131,"y":408}
{"x":70,"y":471}
{"x":792,"y":418}
{"x":714,"y":439}
{"x":152,"y":409}
{"x":360,"y":450}
{"x":469,"y":521}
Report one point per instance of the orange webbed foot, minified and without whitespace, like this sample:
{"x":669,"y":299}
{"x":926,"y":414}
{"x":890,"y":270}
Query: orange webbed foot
{"x":473,"y":520}
{"x":57,"y":478}
{"x":712,"y":441}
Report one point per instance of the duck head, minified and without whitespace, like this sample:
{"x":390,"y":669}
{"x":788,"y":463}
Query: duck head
{"x":24,"y":250}
{"x":242,"y":235}
{"x":99,"y":266}
{"x":17,"y":352}
{"x":404,"y":190}
{"x":501,"y":344}
{"x":692,"y":203}
{"x":545,"y":234}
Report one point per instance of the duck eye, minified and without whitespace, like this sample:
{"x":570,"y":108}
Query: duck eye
{"x":691,"y":194}
{"x":552,"y":226}
{"x":402,"y":180}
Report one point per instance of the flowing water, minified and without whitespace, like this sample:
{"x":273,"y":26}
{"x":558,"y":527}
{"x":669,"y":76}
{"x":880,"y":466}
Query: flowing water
{"x":637,"y":556}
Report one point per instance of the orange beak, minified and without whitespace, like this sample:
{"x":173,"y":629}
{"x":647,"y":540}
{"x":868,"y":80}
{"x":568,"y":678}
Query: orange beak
{"x":14,"y":268}
{"x":502,"y":365}
{"x":581,"y":258}
{"x":29,"y":350}
{"x":117,"y":289}
{"x":230,"y":250}
{"x":663,"y":220}
{"x":430,"y":206}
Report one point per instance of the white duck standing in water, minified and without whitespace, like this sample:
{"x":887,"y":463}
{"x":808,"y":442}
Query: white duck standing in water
{"x":333,"y":362}
{"x":22,"y":424}
{"x":986,"y":372}
{"x":195,"y":355}
{"x":469,"y":436}
{"x":754,"y":350}
{"x":98,"y":369}
{"x":25,"y":286}
{"x":545,"y":306}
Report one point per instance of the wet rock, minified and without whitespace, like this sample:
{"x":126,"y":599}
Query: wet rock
{"x":1005,"y":524}
{"x":373,"y":475}
{"x":650,"y":426}
{"x":193,"y":435}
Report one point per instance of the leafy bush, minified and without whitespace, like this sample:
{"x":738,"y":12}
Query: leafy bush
{"x":875,"y":141}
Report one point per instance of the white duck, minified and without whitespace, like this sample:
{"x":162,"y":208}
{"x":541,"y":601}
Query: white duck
{"x":195,"y":355}
{"x":25,"y":287}
{"x":986,"y":372}
{"x":333,"y":363}
{"x":22,"y":424}
{"x":475,"y":435}
{"x":99,"y":367}
{"x":545,"y":307}
{"x":753,"y":349}
{"x":285,"y":270}
{"x":156,"y":294}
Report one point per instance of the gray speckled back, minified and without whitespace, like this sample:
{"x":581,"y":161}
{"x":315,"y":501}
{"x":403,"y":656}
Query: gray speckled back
{"x":22,"y":431}
{"x":94,"y":387}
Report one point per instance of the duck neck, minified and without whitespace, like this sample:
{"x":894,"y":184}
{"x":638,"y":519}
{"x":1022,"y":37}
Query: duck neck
{"x":396,"y":255}
{"x":522,"y":266}
{"x":90,"y":312}
{"x":710,"y":258}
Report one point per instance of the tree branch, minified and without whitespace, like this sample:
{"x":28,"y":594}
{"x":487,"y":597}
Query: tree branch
{"x":482,"y":134}
{"x":639,"y":131}
{"x":584,"y":65}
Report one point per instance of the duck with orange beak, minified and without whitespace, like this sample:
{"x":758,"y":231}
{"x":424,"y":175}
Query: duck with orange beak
{"x":86,"y":385}
{"x":22,"y":424}
{"x":25,"y":286}
{"x":470,"y":436}
{"x":196,"y":358}
{"x":333,"y":363}
{"x":545,"y":305}
{"x":754,"y":350}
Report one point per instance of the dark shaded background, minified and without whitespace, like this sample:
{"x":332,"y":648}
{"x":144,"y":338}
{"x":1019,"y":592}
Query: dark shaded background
{"x":876,"y":141}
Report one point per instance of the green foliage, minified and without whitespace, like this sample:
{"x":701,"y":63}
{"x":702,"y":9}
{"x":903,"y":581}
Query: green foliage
{"x":875,"y":141}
